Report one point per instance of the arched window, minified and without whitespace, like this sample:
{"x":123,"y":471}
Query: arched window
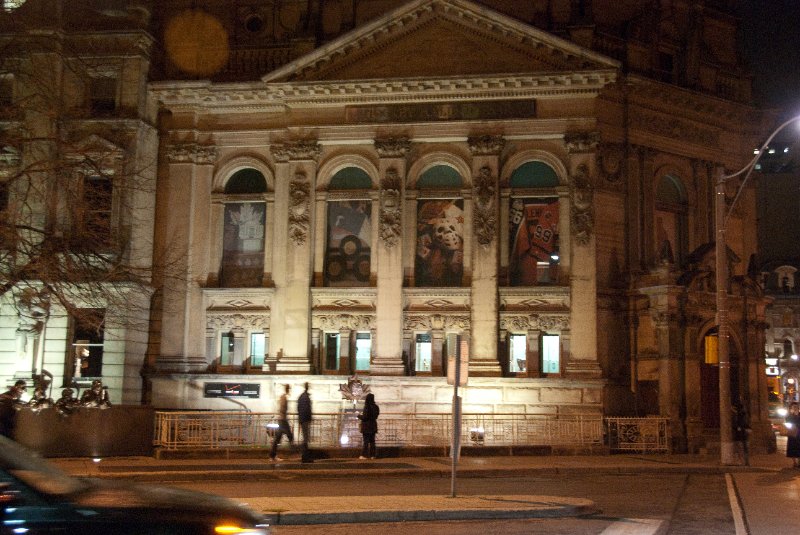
{"x":243,"y":230}
{"x":533,"y":225}
{"x":349,"y":229}
{"x":670,"y":226}
{"x":439,"y":257}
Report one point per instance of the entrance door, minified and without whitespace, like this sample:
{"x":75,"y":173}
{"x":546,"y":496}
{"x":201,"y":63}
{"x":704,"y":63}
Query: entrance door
{"x":709,"y":395}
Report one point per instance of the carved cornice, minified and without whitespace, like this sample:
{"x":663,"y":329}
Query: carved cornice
{"x":297,"y":150}
{"x":191,"y":153}
{"x":581,"y":209}
{"x":274,"y":97}
{"x":299,"y":208}
{"x":581,"y":142}
{"x":391,"y":220}
{"x":393,"y":147}
{"x":484,"y":216}
{"x":486,"y":145}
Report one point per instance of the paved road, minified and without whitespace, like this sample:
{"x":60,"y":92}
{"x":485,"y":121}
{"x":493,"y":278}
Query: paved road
{"x":641,"y":494}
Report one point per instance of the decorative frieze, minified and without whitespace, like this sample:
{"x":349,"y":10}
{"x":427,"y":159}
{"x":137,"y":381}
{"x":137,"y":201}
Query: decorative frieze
{"x":192,"y":153}
{"x":336,"y":322}
{"x":390,"y":209}
{"x":534,"y":322}
{"x":581,"y":211}
{"x":393,"y":147}
{"x":297,"y":150}
{"x":486,"y":145}
{"x":437,"y":322}
{"x":237,"y":320}
{"x":484,"y":215}
{"x":299,"y":208}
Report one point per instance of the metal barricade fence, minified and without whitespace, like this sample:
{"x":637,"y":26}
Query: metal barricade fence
{"x":643,"y":435}
{"x":241,"y":429}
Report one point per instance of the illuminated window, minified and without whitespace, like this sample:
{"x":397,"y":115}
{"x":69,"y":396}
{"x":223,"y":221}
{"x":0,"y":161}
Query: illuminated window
{"x":551,"y":353}
{"x":711,"y":351}
{"x":439,"y":257}
{"x":518,"y":353}
{"x":86,"y":350}
{"x":226,"y":349}
{"x":533,"y":226}
{"x":349,"y":229}
{"x":423,"y":352}
{"x":258,"y":348}
{"x":244,"y":225}
{"x":363,"y":350}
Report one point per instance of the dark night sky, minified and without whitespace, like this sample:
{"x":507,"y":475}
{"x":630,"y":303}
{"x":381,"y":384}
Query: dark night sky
{"x":771,"y":46}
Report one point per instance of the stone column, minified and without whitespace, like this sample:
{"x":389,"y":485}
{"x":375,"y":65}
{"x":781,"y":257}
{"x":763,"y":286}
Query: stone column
{"x":388,"y":339}
{"x":211,"y":343}
{"x":437,"y":343}
{"x":185,"y":237}
{"x":300,"y":176}
{"x":485,"y":248}
{"x":239,"y":346}
{"x":534,"y":359}
{"x":582,"y":360}
{"x":345,"y":365}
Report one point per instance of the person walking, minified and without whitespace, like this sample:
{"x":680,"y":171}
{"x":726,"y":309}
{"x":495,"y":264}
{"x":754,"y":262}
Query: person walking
{"x":741,"y":429}
{"x":369,"y":426}
{"x":792,"y":424}
{"x":304,"y":417}
{"x":283,"y":424}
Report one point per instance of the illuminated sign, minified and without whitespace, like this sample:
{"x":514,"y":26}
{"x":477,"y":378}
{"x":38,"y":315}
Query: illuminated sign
{"x":773,"y":370}
{"x":232,"y":390}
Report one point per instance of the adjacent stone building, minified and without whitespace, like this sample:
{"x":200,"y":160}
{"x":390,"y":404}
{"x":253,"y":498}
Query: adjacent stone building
{"x":379,"y":188}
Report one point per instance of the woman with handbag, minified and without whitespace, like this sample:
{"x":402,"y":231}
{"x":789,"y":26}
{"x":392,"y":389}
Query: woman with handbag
{"x":369,"y":426}
{"x":792,"y":424}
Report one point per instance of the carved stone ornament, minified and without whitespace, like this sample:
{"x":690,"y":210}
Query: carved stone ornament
{"x":338,"y":322}
{"x":228,"y":322}
{"x":581,"y":212}
{"x":299,"y":208}
{"x":437,"y":322}
{"x":486,"y":145}
{"x":484,"y":217}
{"x":297,"y":150}
{"x":578,"y":142}
{"x":191,"y":153}
{"x":390,"y":209}
{"x":393,"y":148}
{"x":535,"y":322}
{"x":9,"y":158}
{"x":610,"y":160}
{"x":354,"y":389}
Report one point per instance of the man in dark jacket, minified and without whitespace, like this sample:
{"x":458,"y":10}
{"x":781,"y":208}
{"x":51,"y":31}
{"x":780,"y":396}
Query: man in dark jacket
{"x":304,"y":418}
{"x":8,"y":407}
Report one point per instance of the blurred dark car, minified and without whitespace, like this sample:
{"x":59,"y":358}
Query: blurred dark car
{"x":36,"y":497}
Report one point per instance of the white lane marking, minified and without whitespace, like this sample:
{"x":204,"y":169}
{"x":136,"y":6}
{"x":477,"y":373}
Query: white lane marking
{"x":634,"y":526}
{"x":736,"y":507}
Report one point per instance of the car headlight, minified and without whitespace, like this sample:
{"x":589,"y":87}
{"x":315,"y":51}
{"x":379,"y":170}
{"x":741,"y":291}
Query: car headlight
{"x":232,"y":529}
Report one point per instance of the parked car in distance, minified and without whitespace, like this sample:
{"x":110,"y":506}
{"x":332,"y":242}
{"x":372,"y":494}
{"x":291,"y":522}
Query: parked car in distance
{"x":37,"y":497}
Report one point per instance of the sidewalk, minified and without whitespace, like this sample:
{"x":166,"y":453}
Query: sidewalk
{"x":349,"y":509}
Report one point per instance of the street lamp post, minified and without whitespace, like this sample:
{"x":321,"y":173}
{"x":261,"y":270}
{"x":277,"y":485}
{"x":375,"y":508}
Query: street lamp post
{"x":727,"y":452}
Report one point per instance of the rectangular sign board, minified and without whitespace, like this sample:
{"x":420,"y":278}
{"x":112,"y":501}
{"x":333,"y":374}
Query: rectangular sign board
{"x":232,"y":390}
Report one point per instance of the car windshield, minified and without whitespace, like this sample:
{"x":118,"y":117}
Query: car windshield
{"x":35,"y":471}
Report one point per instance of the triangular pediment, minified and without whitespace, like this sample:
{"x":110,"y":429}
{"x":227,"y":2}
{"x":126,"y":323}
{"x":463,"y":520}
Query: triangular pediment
{"x":439,"y":39}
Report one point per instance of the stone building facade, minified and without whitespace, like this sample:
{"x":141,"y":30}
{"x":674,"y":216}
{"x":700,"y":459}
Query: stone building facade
{"x":378,"y":188}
